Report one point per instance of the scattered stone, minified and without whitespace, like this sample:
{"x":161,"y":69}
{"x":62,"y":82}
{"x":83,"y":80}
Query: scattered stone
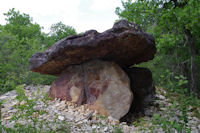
{"x":8,"y":118}
{"x":161,"y":97}
{"x":194,"y":130}
{"x":113,"y":120}
{"x":105,"y":129}
{"x":61,"y":118}
{"x":199,"y":126}
{"x":94,"y":127}
{"x":148,"y":112}
{"x":104,"y":125}
{"x":22,"y":102}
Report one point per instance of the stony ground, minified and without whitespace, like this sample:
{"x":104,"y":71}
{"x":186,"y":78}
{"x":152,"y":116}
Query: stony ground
{"x":62,"y":116}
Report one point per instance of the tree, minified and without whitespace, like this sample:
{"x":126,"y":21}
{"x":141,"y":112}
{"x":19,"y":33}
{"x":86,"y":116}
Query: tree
{"x":175,"y":26}
{"x":21,"y":25}
{"x":60,"y":30}
{"x":19,"y":39}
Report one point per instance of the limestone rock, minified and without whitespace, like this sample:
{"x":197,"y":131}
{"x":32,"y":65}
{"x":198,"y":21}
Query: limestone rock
{"x":125,"y":44}
{"x":101,"y":84}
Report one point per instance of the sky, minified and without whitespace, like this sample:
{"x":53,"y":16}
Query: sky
{"x":83,"y":15}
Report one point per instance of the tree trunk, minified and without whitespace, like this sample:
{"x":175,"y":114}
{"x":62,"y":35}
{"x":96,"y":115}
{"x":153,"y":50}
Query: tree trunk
{"x":186,"y":73}
{"x":193,"y":67}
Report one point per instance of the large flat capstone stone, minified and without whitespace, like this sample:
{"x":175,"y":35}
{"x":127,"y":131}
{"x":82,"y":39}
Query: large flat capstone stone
{"x":125,"y":44}
{"x":103,"y":85}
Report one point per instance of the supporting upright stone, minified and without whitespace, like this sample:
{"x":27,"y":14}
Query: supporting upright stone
{"x":103,"y":85}
{"x":142,"y":86}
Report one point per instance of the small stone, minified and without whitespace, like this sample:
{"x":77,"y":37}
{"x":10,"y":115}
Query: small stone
{"x":198,"y":127}
{"x":14,"y":103}
{"x":163,"y":109}
{"x":11,"y":124}
{"x":22,"y":102}
{"x":148,"y":112}
{"x":190,"y":108}
{"x":76,"y":113}
{"x":56,"y":111}
{"x":105,"y":129}
{"x":57,"y":104}
{"x":161,"y":97}
{"x":194,"y":130}
{"x":123,"y":123}
{"x":62,"y":102}
{"x":70,"y":117}
{"x":3,"y":97}
{"x":85,"y":120}
{"x":12,"y":111}
{"x":35,"y":114}
{"x":61,"y":118}
{"x":94,"y":127}
{"x":189,"y":117}
{"x":113,"y":121}
{"x":8,"y":118}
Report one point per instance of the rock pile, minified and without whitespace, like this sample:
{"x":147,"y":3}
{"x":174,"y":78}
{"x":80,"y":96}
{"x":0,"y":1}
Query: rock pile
{"x":94,"y":69}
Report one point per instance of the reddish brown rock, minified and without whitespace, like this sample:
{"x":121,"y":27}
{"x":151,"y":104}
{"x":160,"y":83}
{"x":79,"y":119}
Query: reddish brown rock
{"x":101,"y":84}
{"x":125,"y":44}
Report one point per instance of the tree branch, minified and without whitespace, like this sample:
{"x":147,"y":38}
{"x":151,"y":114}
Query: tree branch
{"x":180,"y":5}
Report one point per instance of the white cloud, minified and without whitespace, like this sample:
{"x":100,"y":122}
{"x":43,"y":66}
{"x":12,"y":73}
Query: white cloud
{"x":81,"y":14}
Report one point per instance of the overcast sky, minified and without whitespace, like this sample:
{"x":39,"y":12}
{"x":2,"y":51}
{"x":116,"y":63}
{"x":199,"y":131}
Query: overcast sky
{"x":81,"y":14}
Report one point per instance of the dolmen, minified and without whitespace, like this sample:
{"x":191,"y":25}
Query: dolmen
{"x":97,"y":69}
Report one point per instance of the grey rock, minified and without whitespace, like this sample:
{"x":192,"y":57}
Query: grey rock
{"x":148,"y":112}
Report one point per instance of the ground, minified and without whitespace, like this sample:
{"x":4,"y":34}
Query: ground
{"x":30,"y":106}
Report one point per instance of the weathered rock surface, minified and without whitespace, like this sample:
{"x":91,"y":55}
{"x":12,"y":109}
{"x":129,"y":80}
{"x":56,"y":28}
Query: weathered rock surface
{"x":125,"y":44}
{"x":142,"y":87}
{"x":101,"y":84}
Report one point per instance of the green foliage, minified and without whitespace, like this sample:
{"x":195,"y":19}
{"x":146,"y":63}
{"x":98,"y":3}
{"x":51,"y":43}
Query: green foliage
{"x":1,"y":102}
{"x":168,"y":22}
{"x":20,"y":38}
{"x":117,"y":130}
{"x":170,"y":125}
{"x":60,"y":30}
{"x":175,"y":116}
{"x":139,"y":122}
{"x":21,"y":25}
{"x":181,"y":104}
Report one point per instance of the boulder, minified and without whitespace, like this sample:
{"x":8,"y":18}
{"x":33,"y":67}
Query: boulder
{"x":125,"y":44}
{"x":142,"y":86}
{"x":103,"y":85}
